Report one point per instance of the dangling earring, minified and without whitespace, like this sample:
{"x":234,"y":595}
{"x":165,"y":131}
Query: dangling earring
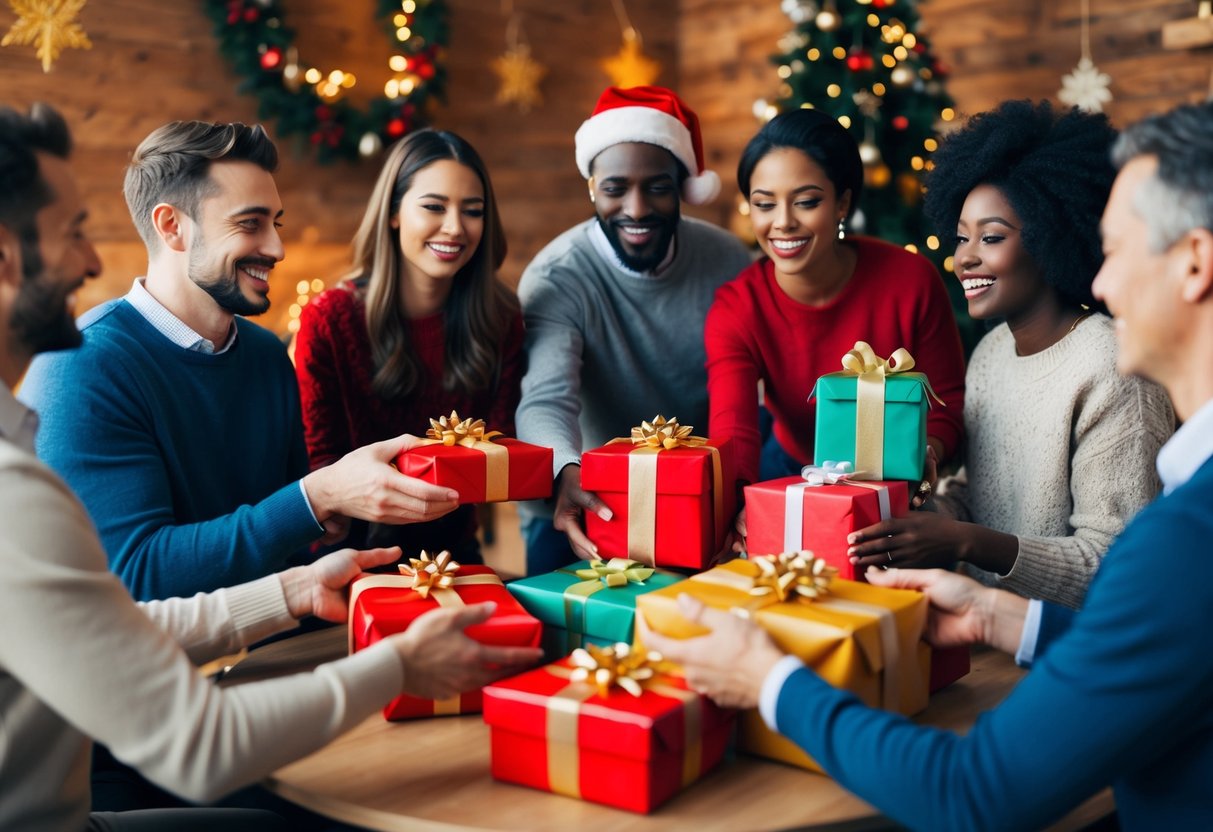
{"x":842,"y":231}
{"x":590,"y":182}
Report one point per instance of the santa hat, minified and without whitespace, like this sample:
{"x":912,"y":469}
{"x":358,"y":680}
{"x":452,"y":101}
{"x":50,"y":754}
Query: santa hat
{"x":651,"y":115}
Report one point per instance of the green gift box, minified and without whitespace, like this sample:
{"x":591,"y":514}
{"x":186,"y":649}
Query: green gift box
{"x":588,"y":603}
{"x":900,"y":447}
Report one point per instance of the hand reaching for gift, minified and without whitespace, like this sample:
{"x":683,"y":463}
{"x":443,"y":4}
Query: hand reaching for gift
{"x":571,"y":503}
{"x":440,"y":660}
{"x":319,"y":588}
{"x":728,"y":664}
{"x":920,"y":540}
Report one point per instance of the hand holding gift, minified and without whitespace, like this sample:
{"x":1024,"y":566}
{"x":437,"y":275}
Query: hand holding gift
{"x":572,"y":503}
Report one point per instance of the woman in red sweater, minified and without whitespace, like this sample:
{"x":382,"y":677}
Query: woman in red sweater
{"x":420,"y":326}
{"x":791,"y":316}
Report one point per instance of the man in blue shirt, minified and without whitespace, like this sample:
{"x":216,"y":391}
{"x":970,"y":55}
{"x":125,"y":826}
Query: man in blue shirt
{"x":1119,"y":691}
{"x":178,"y":421}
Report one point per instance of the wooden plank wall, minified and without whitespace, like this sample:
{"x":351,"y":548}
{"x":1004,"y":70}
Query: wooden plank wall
{"x":154,"y":62}
{"x":996,"y":49}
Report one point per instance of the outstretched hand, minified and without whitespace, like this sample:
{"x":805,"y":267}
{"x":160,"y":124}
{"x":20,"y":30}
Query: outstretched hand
{"x":571,"y":503}
{"x":920,"y":540}
{"x":319,"y":588}
{"x":440,"y":660}
{"x":729,"y":664}
{"x":961,"y":610}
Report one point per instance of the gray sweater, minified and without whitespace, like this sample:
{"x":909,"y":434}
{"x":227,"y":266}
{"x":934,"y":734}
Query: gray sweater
{"x":607,"y":348}
{"x":1060,"y":453}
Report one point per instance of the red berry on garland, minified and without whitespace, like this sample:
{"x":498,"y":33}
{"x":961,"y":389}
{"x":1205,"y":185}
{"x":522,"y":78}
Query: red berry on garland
{"x":251,"y":15}
{"x":396,"y":128}
{"x":271,"y":58}
{"x":323,"y":113}
{"x":900,"y":122}
{"x":426,"y":71}
{"x":859,"y":59}
{"x":920,"y":47}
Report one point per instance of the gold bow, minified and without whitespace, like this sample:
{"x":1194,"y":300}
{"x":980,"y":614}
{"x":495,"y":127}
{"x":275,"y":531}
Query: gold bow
{"x":616,"y":572}
{"x":665,"y":434}
{"x":451,"y":430}
{"x":862,"y":360}
{"x":792,"y":576}
{"x":618,"y":665}
{"x":431,"y":573}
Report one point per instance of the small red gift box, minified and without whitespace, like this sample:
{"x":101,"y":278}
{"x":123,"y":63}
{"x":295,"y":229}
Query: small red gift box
{"x":789,"y":514}
{"x":671,"y":506}
{"x":633,"y":752}
{"x":481,"y":466}
{"x":381,"y":605}
{"x":948,"y":664}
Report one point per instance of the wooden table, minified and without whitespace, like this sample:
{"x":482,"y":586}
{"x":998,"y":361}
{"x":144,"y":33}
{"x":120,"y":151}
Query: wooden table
{"x":432,"y":775}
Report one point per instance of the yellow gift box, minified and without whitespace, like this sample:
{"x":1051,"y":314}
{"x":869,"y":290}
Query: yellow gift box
{"x":858,"y":637}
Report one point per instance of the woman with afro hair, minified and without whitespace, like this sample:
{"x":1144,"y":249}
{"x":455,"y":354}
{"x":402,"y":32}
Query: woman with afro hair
{"x":1060,"y":448}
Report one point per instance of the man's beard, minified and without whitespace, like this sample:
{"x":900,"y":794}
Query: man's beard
{"x":225,"y":288}
{"x":40,"y":321}
{"x":666,"y":226}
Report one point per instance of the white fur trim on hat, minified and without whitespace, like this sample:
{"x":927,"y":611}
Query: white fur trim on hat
{"x":647,"y":126}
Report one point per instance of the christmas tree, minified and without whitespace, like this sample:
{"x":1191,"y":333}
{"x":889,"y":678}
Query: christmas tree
{"x":865,"y":63}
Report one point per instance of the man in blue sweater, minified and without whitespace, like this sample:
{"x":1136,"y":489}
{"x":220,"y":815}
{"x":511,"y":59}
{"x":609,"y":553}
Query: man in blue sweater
{"x":1119,"y":691}
{"x":178,"y":423}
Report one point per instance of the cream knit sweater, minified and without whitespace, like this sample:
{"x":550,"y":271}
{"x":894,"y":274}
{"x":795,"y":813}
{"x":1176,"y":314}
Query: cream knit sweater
{"x":1060,"y":453}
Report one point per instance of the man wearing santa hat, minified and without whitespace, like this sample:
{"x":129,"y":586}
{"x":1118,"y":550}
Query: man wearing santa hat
{"x":614,"y":307}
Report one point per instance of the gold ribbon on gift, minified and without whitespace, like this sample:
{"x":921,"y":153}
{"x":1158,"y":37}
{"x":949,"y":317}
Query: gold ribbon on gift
{"x":431,"y":577}
{"x":599,"y":575}
{"x":595,"y":671}
{"x":650,"y":439}
{"x":871,"y":371}
{"x":764,"y":590}
{"x":472,"y":433}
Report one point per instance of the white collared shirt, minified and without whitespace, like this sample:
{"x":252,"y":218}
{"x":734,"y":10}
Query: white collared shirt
{"x":172,"y":327}
{"x":605,"y":250}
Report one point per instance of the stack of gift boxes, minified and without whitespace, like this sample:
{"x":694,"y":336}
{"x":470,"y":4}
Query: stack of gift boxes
{"x":608,"y":722}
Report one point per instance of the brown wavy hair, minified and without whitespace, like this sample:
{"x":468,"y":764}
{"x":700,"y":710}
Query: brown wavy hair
{"x":479,"y":307}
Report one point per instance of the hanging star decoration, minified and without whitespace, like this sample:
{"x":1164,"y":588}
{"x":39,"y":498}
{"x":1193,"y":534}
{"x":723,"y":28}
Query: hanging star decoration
{"x":518,"y":73}
{"x":50,"y":25}
{"x":630,"y":67}
{"x":1086,"y":87}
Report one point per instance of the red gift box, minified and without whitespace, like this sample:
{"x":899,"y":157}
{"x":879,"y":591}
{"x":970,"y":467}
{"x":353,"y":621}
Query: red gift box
{"x":631,"y":752}
{"x":505,"y":470}
{"x":827,"y":514}
{"x":381,"y":605}
{"x":684,"y":525}
{"x":948,"y":664}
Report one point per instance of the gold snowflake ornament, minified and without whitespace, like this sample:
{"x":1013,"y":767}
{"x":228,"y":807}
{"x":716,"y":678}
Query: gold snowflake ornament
{"x":520,"y":75}
{"x":50,"y":25}
{"x":1086,"y":87}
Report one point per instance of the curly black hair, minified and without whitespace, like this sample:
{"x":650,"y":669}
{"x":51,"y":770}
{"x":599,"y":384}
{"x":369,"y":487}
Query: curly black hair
{"x":1055,"y":169}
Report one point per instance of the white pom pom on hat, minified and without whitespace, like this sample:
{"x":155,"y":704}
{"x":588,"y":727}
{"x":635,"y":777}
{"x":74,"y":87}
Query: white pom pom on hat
{"x":650,"y":115}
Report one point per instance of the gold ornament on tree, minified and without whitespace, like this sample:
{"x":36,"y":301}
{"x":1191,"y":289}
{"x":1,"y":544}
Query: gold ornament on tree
{"x":518,"y":72}
{"x":1086,"y":87}
{"x":630,"y":67}
{"x":50,"y":25}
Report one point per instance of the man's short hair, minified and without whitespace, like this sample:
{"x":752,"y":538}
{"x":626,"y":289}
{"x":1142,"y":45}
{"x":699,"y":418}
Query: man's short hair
{"x":173,"y":165}
{"x":1179,"y":197}
{"x":23,"y":190}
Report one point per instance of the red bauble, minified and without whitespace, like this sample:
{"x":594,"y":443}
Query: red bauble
{"x":251,"y":15}
{"x":323,"y":113}
{"x":396,"y":128}
{"x":271,"y":58}
{"x":880,"y":4}
{"x":900,"y":122}
{"x":426,"y":71}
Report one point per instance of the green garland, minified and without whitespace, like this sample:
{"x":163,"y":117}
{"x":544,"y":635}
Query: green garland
{"x":256,"y":42}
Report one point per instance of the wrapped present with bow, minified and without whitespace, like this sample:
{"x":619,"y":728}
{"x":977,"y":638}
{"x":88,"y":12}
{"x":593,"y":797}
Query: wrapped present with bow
{"x":588,"y":603}
{"x":862,"y":638}
{"x":670,"y":493}
{"x":381,"y":605}
{"x":481,"y":464}
{"x":817,"y":510}
{"x":609,"y":725}
{"x":873,"y":414}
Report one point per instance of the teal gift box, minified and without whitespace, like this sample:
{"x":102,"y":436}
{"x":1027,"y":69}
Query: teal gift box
{"x":588,"y":603}
{"x":874,"y":416}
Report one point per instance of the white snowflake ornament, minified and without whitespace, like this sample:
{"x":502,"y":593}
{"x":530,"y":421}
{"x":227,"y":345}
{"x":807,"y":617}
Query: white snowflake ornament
{"x":1086,"y":87}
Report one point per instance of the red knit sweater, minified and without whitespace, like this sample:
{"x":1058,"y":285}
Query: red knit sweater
{"x":341,"y":412}
{"x":755,"y":331}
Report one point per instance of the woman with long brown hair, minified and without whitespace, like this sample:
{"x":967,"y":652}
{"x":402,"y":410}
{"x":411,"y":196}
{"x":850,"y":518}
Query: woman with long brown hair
{"x":419,"y":327}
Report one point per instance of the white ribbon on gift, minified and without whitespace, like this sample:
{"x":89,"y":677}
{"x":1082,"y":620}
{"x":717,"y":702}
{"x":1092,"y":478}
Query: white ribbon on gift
{"x":831,"y":473}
